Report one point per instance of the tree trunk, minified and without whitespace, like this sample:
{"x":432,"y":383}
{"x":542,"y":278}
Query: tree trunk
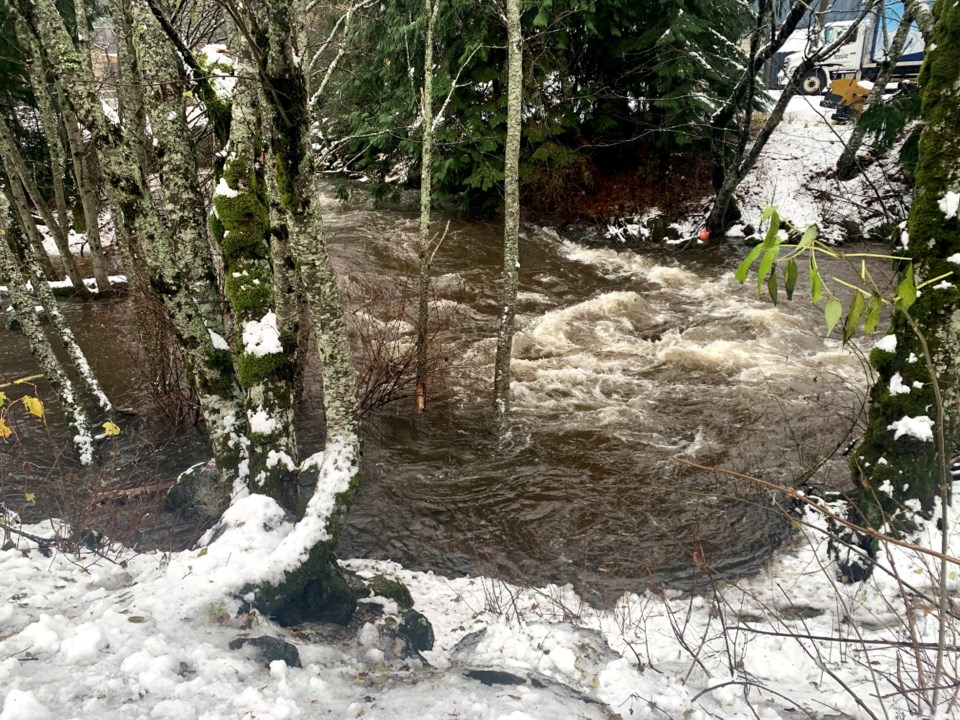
{"x":86,"y":176}
{"x":41,"y":289}
{"x":51,"y":131}
{"x":511,"y":213}
{"x":40,"y":346}
{"x":847,"y":162}
{"x":241,"y":224}
{"x":181,"y":270}
{"x":17,"y":171}
{"x":17,"y":199}
{"x":430,"y":8}
{"x":893,"y":471}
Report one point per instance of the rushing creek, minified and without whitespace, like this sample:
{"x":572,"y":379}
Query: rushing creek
{"x":622,"y":361}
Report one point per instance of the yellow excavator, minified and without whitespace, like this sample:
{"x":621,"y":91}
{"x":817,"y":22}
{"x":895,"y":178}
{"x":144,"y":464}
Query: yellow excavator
{"x":848,"y":96}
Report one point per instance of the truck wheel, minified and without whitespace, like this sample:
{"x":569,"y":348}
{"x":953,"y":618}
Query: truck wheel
{"x":813,"y":82}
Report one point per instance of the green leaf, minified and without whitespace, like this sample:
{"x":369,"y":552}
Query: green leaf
{"x":769,"y":258}
{"x":873,"y":314}
{"x":768,"y":212}
{"x":811,"y":234}
{"x":790,"y":278}
{"x":832,"y":313}
{"x":850,"y":325}
{"x":772,"y":238}
{"x":772,"y":285}
{"x":744,"y":267}
{"x":906,"y":290}
{"x":816,"y":284}
{"x":3,"y":396}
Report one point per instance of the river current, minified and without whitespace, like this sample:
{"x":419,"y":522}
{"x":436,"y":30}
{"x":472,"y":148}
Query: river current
{"x":622,"y":362}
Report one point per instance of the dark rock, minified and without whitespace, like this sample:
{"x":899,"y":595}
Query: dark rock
{"x":800,"y":612}
{"x":417,"y":630}
{"x":269,"y":649}
{"x":495,"y":677}
{"x":392,"y":589}
{"x":197,"y":493}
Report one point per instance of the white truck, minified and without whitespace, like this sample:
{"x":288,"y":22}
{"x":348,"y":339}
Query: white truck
{"x":859,"y":58}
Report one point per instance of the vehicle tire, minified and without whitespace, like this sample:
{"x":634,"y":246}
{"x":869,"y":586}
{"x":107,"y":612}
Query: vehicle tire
{"x":814,"y":82}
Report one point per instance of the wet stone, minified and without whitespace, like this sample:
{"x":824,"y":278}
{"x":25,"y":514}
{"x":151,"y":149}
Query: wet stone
{"x":197,"y":493}
{"x":269,"y":649}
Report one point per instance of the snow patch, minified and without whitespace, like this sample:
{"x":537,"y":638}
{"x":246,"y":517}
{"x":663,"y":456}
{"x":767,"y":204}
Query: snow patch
{"x":888,"y":343}
{"x":261,"y":337}
{"x":920,"y":428}
{"x":949,"y":204}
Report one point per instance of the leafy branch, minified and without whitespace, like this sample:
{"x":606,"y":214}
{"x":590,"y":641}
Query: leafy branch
{"x":868,"y":299}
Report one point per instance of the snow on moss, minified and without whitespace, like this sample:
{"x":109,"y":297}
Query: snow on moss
{"x":888,"y":343}
{"x":920,"y":428}
{"x":224,"y":190}
{"x":261,"y":337}
{"x":897,"y":386}
{"x":949,"y":204}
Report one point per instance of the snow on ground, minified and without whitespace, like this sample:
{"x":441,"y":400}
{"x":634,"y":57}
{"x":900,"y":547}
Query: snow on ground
{"x":147,"y":636}
{"x":795,"y":173}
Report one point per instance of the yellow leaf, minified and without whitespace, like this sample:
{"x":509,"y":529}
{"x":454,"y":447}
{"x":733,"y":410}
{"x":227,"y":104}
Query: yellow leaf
{"x":5,"y":432}
{"x":3,"y":398}
{"x":110,"y":429}
{"x":30,"y":497}
{"x":33,"y":405}
{"x":202,"y":552}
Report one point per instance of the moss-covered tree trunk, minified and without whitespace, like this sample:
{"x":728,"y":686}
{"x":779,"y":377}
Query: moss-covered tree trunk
{"x":40,"y":347}
{"x":17,"y":171}
{"x":898,"y":463}
{"x":511,"y":214}
{"x":241,"y":224}
{"x":430,"y":8}
{"x":316,"y":586}
{"x":173,"y":238}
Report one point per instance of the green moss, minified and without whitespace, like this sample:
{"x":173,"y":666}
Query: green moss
{"x":246,"y":296}
{"x":392,"y":589}
{"x":315,"y":591}
{"x":253,"y":369}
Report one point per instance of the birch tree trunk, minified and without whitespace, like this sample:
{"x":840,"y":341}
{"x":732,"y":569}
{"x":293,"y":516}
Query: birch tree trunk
{"x":40,"y":346}
{"x":511,"y":214}
{"x":430,"y":8}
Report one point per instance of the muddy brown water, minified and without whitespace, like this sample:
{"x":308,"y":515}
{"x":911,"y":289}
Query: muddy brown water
{"x":622,"y":361}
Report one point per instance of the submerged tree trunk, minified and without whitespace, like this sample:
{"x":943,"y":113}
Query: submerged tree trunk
{"x":430,"y":8}
{"x":511,"y":214}
{"x":847,"y":162}
{"x":40,"y":347}
{"x":898,"y":460}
